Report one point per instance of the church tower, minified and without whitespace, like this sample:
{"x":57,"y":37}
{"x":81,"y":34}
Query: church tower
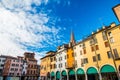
{"x":72,"y":39}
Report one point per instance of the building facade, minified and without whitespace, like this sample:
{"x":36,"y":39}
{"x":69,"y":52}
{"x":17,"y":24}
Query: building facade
{"x":96,"y":57}
{"x":31,"y":66}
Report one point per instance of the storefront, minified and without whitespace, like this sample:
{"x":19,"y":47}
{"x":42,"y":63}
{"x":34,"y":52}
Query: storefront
{"x":80,"y":74}
{"x":71,"y":75}
{"x":57,"y":75}
{"x":92,"y":74}
{"x":108,"y":73}
{"x":64,"y":75}
{"x":52,"y":76}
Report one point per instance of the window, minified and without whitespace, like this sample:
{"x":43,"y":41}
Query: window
{"x":54,"y":58}
{"x":111,"y":40}
{"x":85,"y":60}
{"x":80,"y":45}
{"x":109,"y":54}
{"x":97,"y":48}
{"x":75,"y":63}
{"x":116,"y":55}
{"x":74,"y":48}
{"x":110,"y":34}
{"x":84,"y":50}
{"x":92,"y":48}
{"x":82,"y":62}
{"x":104,"y":35}
{"x":98,"y":56}
{"x":3,"y":60}
{"x":59,"y":65}
{"x":94,"y":58}
{"x":54,"y":66}
{"x":65,"y":56}
{"x":51,"y":59}
{"x":50,"y":66}
{"x":65,"y":64}
{"x":72,"y":54}
{"x":83,"y":45}
{"x":80,"y":52}
{"x":106,"y":44}
{"x":61,"y":58}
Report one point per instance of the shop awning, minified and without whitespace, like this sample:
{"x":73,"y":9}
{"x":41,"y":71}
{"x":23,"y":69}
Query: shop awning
{"x":80,"y":71}
{"x":71,"y":72}
{"x":58,"y":75}
{"x":52,"y":74}
{"x":64,"y":73}
{"x":107,"y":68}
{"x":91,"y":70}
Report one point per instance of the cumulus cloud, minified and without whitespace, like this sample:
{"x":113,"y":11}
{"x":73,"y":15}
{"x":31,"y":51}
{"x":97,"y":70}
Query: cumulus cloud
{"x":20,"y":29}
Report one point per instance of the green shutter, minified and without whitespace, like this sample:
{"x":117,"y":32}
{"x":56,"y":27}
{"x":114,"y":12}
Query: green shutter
{"x":80,"y":71}
{"x":107,"y":68}
{"x":58,"y":75}
{"x":71,"y":72}
{"x":64,"y":73}
{"x":52,"y":74}
{"x":91,"y":70}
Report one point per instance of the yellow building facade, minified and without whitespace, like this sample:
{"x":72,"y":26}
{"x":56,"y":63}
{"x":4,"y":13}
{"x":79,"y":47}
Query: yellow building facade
{"x":46,"y":65}
{"x":97,"y":57}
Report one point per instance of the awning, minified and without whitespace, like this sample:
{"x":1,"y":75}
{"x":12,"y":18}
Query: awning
{"x":71,"y":72}
{"x":107,"y":68}
{"x":64,"y":73}
{"x":52,"y":74}
{"x":91,"y":70}
{"x":80,"y":71}
{"x":58,"y":75}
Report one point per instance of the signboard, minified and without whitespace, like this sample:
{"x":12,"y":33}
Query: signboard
{"x":116,"y":10}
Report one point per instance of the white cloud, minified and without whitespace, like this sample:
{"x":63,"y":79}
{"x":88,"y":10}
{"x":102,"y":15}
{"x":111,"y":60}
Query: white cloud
{"x":18,"y":26}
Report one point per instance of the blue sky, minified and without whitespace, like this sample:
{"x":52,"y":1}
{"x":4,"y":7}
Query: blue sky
{"x":42,"y":25}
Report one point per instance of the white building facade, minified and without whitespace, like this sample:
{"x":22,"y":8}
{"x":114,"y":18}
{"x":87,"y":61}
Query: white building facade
{"x":61,"y":61}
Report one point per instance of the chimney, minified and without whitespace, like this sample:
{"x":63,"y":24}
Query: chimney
{"x":113,"y":25}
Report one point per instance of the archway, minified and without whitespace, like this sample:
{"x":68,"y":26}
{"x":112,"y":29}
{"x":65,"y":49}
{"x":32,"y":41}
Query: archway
{"x":108,"y":72}
{"x":92,"y":73}
{"x":64,"y":75}
{"x":80,"y":74}
{"x":52,"y":76}
{"x":48,"y":76}
{"x":58,"y":75}
{"x":71,"y":75}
